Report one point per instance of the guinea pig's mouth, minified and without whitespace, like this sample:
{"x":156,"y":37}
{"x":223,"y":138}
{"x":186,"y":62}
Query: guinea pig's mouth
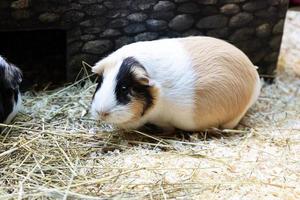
{"x":114,"y":116}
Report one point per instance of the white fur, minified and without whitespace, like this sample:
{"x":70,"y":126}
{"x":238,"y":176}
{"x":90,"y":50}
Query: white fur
{"x":2,"y":61}
{"x":169,"y":69}
{"x":105,"y":100}
{"x":8,"y":76}
{"x":105,"y":93}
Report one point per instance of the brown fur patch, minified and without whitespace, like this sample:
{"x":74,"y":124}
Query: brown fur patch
{"x":141,"y":75}
{"x":137,"y":108}
{"x":137,"y":105}
{"x":226,"y":80}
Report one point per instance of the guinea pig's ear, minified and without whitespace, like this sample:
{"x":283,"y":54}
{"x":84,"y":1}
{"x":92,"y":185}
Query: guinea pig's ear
{"x":103,"y":64}
{"x":10,"y":76}
{"x":13,"y":76}
{"x":142,"y":76}
{"x":17,"y":74}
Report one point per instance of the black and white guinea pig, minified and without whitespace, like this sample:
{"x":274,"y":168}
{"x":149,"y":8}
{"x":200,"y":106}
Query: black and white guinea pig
{"x":10,"y":98}
{"x":191,"y":83}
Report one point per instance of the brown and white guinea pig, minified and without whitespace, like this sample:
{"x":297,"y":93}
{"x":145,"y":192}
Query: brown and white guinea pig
{"x":10,"y":98}
{"x":191,"y":83}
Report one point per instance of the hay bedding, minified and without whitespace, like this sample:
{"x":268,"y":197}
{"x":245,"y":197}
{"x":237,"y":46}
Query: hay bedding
{"x":54,"y":150}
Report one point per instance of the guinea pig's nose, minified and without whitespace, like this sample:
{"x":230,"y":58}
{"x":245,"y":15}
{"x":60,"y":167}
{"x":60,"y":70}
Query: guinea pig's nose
{"x":104,"y":114}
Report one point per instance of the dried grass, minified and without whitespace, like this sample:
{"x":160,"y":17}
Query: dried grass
{"x":55,"y":150}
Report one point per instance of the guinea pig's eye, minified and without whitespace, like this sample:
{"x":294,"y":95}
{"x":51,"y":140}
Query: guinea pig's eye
{"x":124,"y":89}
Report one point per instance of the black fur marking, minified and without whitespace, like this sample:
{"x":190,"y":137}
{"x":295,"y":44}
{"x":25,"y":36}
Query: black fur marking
{"x":14,"y":79}
{"x":128,"y":87}
{"x":9,"y":89}
{"x":7,"y":98}
{"x":100,"y":81}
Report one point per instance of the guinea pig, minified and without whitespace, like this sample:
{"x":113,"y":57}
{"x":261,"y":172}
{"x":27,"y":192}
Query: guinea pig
{"x":10,"y":98}
{"x":191,"y":83}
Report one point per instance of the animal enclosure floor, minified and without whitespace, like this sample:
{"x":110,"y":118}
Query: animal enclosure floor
{"x":290,"y":47}
{"x":55,"y":150}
